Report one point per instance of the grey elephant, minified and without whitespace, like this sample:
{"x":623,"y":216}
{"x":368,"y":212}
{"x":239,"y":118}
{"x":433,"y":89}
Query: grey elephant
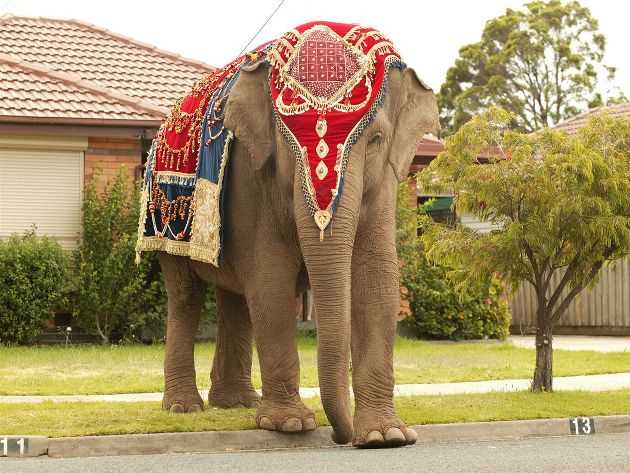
{"x":267,"y":180}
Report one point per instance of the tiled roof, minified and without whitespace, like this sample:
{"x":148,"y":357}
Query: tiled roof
{"x":429,"y":146}
{"x":573,"y":124}
{"x":70,"y":69}
{"x":31,"y":92}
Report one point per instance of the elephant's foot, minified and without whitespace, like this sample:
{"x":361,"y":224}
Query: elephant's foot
{"x":285,"y":416}
{"x":375,"y":430}
{"x":180,"y":401}
{"x":226,"y":397}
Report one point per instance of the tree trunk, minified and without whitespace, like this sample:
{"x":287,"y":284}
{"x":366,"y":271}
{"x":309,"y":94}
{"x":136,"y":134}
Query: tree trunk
{"x":543,"y":374}
{"x":101,"y":333}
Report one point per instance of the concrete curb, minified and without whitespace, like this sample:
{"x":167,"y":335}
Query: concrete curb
{"x":32,"y":445}
{"x":215,"y":442}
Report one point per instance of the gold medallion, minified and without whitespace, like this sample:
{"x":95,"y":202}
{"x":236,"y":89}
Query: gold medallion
{"x":322,"y":149}
{"x":321,"y":170}
{"x":321,"y":127}
{"x":322,"y":219}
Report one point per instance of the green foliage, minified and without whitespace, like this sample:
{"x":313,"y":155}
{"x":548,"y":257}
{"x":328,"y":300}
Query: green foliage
{"x":541,"y":63}
{"x":115,"y":298}
{"x":558,"y":202}
{"x":440,"y":309}
{"x":32,"y":276}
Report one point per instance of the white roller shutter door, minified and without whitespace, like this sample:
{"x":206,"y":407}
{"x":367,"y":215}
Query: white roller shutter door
{"x":41,"y":188}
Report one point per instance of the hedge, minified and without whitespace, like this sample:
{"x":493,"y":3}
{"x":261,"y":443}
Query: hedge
{"x":33,"y":274}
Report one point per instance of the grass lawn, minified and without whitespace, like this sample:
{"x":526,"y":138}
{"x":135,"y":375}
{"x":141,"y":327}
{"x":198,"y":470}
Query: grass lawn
{"x":138,"y":368}
{"x":98,"y":418}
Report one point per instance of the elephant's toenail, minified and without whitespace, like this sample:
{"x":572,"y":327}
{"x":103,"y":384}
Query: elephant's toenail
{"x":249,"y":403}
{"x":411,"y":436}
{"x":395,"y":435}
{"x":265,"y":423}
{"x":374,"y":437}
{"x":195,"y":408}
{"x":309,"y":424}
{"x":292,"y":425}
{"x":176,"y":408}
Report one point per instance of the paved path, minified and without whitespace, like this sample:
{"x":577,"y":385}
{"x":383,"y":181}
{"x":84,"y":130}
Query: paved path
{"x":578,"y":343}
{"x":598,"y":382}
{"x":603,"y":382}
{"x":602,"y":453}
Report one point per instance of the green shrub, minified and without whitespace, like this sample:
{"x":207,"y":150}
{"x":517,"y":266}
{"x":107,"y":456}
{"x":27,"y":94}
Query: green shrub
{"x":33,"y":274}
{"x":115,"y":298}
{"x":439,"y":308}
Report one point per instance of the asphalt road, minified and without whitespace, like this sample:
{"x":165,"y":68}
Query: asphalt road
{"x":597,"y":453}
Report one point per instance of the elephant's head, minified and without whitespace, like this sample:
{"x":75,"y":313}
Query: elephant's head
{"x":378,"y":161}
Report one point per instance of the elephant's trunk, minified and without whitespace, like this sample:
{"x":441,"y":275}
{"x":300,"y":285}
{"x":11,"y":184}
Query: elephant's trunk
{"x":329,"y":268}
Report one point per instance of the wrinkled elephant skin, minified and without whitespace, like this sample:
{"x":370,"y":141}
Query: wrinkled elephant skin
{"x":273,"y":253}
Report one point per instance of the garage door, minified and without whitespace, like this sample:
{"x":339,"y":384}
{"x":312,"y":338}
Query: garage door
{"x":42,"y":189}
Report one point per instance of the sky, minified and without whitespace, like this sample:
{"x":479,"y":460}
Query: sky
{"x":427,"y":34}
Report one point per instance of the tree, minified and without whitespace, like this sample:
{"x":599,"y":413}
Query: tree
{"x":114,"y":295}
{"x":559,"y":203}
{"x":541,"y":63}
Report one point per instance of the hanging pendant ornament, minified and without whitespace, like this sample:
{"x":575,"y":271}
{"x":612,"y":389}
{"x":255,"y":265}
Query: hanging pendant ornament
{"x":322,"y":149}
{"x":321,"y":127}
{"x":322,"y":219}
{"x":321,"y":170}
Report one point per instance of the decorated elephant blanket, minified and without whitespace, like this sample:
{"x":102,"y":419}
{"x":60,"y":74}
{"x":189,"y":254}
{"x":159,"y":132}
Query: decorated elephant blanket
{"x":327,"y":81}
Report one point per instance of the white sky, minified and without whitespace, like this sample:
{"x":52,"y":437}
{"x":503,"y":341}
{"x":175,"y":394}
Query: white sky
{"x":428,"y":34}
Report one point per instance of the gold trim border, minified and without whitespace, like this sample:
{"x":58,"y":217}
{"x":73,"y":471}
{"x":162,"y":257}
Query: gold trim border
{"x":185,"y":248}
{"x":316,"y":101}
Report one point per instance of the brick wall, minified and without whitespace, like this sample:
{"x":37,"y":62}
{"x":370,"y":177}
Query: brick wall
{"x":109,"y":155}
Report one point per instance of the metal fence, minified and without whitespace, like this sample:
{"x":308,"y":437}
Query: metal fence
{"x":603,"y":309}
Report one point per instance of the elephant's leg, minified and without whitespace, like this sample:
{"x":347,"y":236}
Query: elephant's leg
{"x":186,"y":294}
{"x":273,"y":306}
{"x":375,"y":304}
{"x":231,"y":376}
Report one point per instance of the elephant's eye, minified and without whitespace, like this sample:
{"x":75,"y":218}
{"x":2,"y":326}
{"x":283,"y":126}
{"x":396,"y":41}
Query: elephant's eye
{"x":376,"y":138}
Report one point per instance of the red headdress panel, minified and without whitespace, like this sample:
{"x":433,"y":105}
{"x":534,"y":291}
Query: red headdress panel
{"x":327,"y":81}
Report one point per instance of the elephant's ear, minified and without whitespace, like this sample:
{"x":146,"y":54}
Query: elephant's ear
{"x":249,"y":114}
{"x":418,"y":115}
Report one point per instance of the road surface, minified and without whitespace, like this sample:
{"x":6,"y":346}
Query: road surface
{"x":599,"y":453}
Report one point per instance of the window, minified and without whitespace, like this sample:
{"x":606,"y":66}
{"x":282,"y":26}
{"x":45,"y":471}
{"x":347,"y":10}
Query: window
{"x":41,"y":188}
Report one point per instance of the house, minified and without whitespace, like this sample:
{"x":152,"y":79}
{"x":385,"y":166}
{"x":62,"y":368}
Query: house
{"x":573,"y":124}
{"x":75,"y":97}
{"x":441,"y":208}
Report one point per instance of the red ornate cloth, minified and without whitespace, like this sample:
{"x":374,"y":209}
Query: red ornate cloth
{"x":183,"y":193}
{"x":327,"y":81}
{"x":177,"y":144}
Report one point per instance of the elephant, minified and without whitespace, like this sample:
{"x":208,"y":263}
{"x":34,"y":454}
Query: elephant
{"x":273,"y":253}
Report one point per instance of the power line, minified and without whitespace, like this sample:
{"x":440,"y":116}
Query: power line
{"x":261,"y":28}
